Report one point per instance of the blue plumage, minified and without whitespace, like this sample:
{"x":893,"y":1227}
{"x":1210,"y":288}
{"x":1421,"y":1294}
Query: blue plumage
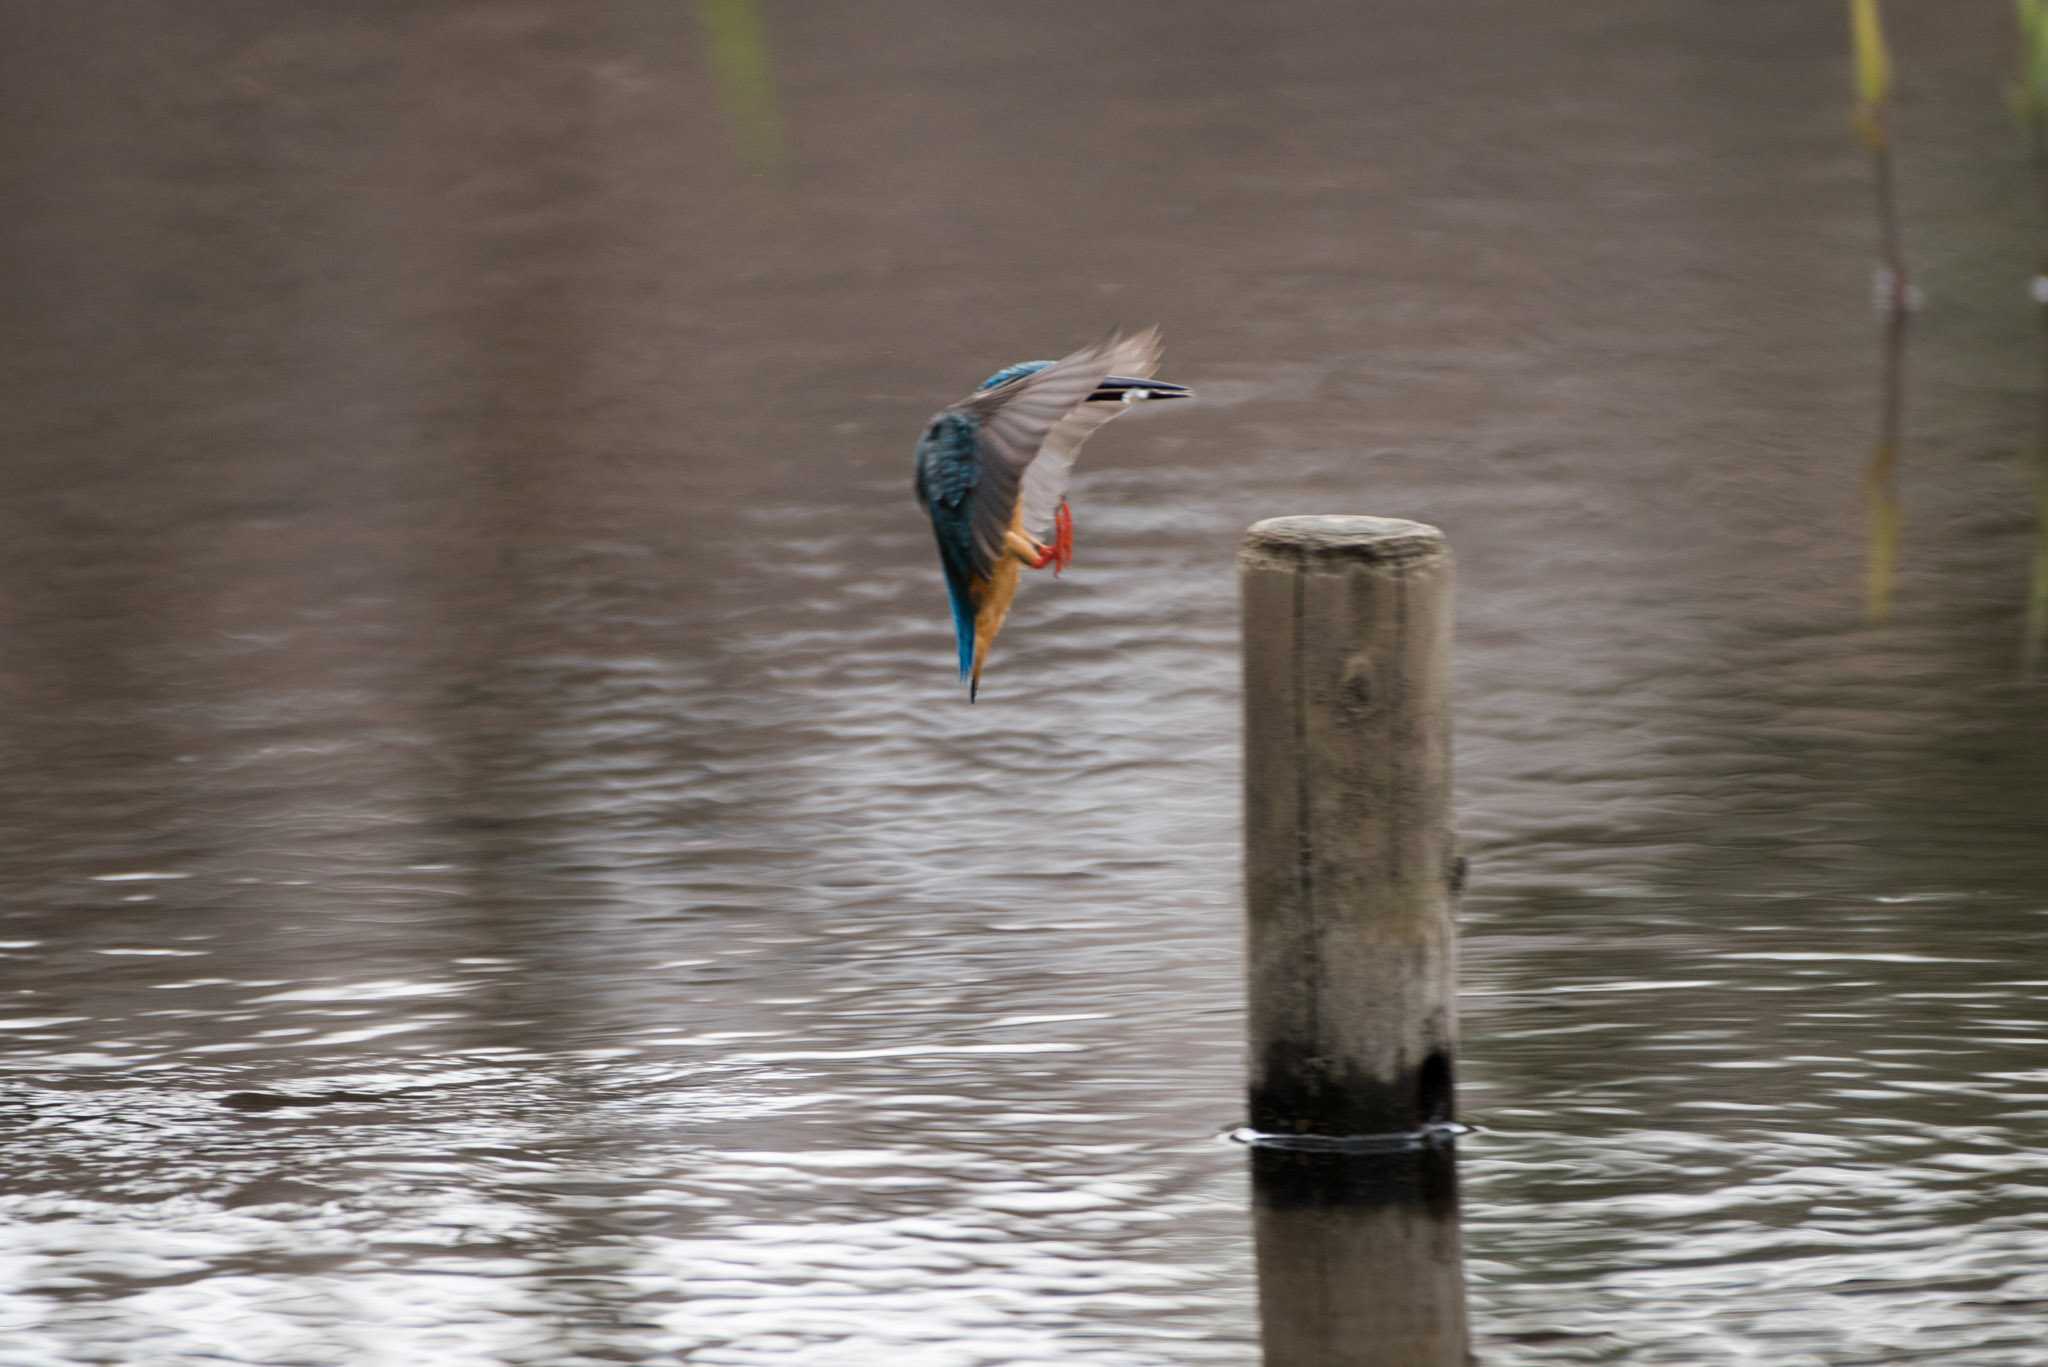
{"x":946,"y":476}
{"x":1013,"y":372}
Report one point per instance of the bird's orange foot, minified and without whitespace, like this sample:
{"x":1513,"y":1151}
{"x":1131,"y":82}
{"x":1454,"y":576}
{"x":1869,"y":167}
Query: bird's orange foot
{"x":1060,"y":553}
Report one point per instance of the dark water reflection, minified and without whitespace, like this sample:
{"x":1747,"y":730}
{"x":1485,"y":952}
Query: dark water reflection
{"x":471,"y":664}
{"x":1359,"y":1258}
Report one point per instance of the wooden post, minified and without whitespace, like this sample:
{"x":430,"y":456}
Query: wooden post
{"x":1350,"y":867}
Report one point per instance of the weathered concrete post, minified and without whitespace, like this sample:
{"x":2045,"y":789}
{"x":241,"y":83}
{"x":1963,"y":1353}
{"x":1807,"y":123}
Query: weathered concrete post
{"x":1350,"y":864}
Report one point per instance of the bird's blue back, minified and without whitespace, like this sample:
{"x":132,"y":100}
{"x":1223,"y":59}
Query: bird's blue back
{"x":1014,"y":372}
{"x":947,"y":471}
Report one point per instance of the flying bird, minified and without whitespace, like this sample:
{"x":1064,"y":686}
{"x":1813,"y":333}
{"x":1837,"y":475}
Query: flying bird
{"x":992,"y":474}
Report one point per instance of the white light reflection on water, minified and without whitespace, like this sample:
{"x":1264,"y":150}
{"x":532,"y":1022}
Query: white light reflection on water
{"x":415,"y":1215}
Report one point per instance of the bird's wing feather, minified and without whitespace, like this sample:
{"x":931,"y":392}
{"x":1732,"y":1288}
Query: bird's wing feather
{"x":1046,"y":478}
{"x":1017,"y":422}
{"x":949,"y":474}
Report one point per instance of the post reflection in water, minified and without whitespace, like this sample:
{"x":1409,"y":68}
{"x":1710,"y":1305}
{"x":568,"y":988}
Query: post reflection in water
{"x":1360,"y":1259}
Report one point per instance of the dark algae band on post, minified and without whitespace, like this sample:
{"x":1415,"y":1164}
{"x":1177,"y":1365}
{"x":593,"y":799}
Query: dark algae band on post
{"x":1294,"y":1088}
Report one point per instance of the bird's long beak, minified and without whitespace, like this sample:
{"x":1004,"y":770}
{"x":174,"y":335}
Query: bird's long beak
{"x":1122,"y":389}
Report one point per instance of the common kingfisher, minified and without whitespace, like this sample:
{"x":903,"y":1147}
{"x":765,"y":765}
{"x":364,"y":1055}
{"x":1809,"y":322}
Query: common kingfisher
{"x":992,"y":474}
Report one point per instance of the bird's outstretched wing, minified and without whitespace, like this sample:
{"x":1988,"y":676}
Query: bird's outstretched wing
{"x":1046,"y":478}
{"x":1014,"y":424}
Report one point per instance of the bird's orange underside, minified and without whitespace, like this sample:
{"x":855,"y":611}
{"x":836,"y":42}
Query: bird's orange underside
{"x":993,"y":595}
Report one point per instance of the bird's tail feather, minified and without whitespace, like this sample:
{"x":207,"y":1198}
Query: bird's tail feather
{"x":963,"y":624}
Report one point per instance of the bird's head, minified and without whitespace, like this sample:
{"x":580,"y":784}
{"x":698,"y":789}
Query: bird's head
{"x":1113,"y":389}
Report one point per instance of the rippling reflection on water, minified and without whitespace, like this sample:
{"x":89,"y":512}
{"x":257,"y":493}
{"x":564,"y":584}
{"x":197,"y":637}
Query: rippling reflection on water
{"x":495,"y":867}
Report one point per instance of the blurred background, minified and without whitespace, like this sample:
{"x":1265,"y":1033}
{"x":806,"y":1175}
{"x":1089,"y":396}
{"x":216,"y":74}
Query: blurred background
{"x":495,"y":863}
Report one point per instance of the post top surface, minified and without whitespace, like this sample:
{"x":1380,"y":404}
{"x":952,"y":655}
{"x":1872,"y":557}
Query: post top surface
{"x":1323,"y":536}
